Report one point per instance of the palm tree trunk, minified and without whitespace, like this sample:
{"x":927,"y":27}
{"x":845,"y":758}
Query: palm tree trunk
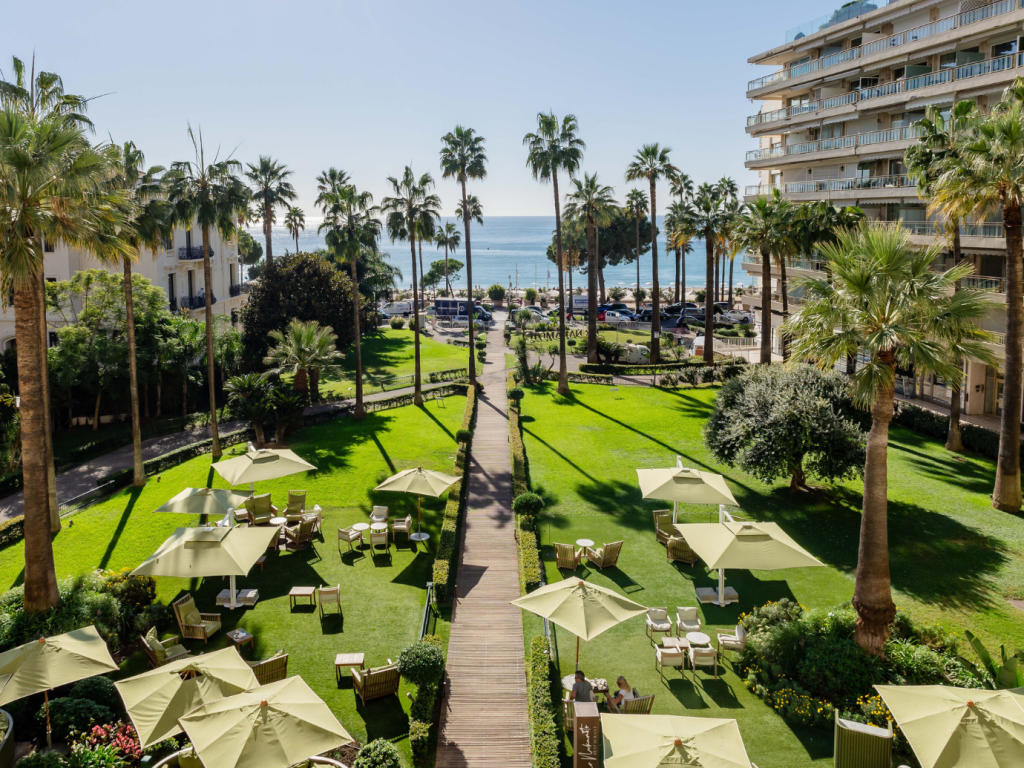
{"x":1007,"y":493}
{"x":417,"y":397}
{"x":51,"y":473}
{"x":420,"y":238}
{"x":600,"y":267}
{"x":138,"y":472}
{"x":954,"y":442}
{"x":709,"y":301}
{"x":447,"y":282}
{"x":717,"y":259}
{"x":656,"y":299}
{"x":469,"y":281}
{"x":731,"y":263}
{"x":96,"y":410}
{"x":872,"y":592}
{"x":211,"y":381}
{"x":677,"y":277}
{"x":592,"y":356}
{"x":682,"y":271}
{"x":637,"y":303}
{"x":268,"y":212}
{"x":784,"y":283}
{"x":40,"y":579}
{"x":563,"y":371}
{"x":360,"y":411}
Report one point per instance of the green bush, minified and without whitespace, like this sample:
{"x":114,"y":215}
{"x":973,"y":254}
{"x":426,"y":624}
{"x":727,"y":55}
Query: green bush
{"x":419,"y":740}
{"x":69,"y":715}
{"x":516,"y":394}
{"x":480,"y":344}
{"x":43,"y":760}
{"x":379,"y":753}
{"x":443,"y":571}
{"x":12,"y":530}
{"x":422,"y":708}
{"x":99,"y":689}
{"x":544,"y":736}
{"x":496,"y":292}
{"x":398,"y":323}
{"x":529,"y":504}
{"x":81,"y":604}
{"x":136,"y":591}
{"x":571,"y":342}
{"x":156,"y":615}
{"x":463,"y":435}
{"x":531,"y":572}
{"x":421,"y":663}
{"x":531,"y":295}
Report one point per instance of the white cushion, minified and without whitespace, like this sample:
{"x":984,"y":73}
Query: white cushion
{"x":660,"y":626}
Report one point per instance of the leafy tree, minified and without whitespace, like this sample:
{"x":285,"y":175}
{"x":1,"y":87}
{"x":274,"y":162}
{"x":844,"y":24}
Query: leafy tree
{"x":185,"y":351}
{"x":250,"y":252}
{"x":438,"y":270}
{"x":706,"y":210}
{"x":270,"y":190}
{"x":774,"y":421}
{"x":306,"y":350}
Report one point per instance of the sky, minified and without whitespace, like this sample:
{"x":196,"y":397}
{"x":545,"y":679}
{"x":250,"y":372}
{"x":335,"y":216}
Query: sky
{"x":370,"y":87}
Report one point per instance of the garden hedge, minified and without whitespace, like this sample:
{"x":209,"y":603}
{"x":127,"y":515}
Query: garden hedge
{"x":531,"y":572}
{"x":620,"y":369}
{"x":544,"y":736}
{"x":980,"y":440}
{"x":123,"y":477}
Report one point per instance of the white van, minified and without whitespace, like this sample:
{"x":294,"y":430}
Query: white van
{"x":398,"y":308}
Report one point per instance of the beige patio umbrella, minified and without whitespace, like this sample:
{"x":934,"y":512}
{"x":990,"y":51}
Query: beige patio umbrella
{"x":272,"y":726}
{"x":202,"y":552}
{"x":422,"y":482}
{"x":682,"y":484}
{"x":204,"y":501}
{"x":584,"y":609}
{"x":652,"y":741}
{"x":49,"y":662}
{"x":157,"y":698}
{"x":751,"y":546}
{"x":265,"y":464}
{"x":951,"y":727}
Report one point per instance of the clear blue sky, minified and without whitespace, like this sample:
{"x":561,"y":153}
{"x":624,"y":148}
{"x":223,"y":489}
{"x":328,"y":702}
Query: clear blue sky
{"x":372,"y":86}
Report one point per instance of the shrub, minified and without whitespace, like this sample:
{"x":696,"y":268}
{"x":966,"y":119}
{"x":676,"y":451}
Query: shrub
{"x":422,"y":708}
{"x":12,"y":530}
{"x":481,"y":355}
{"x":463,"y":435}
{"x":516,"y":394}
{"x":100,"y":690}
{"x":419,"y":739}
{"x":496,"y":292}
{"x":544,"y":734}
{"x":81,"y":604}
{"x":379,"y":753}
{"x":531,"y":295}
{"x":43,"y":760}
{"x":616,"y":293}
{"x":68,"y":715}
{"x":421,"y":663}
{"x":156,"y":615}
{"x":398,"y":323}
{"x":103,"y":745}
{"x":571,"y":342}
{"x":101,"y":756}
{"x":480,"y":344}
{"x":529,"y":504}
{"x":691,"y":375}
{"x":136,"y":591}
{"x":531,"y":572}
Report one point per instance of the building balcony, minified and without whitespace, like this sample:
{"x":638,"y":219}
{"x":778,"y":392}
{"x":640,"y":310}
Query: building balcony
{"x":192,"y":253}
{"x":878,"y":49}
{"x":752,"y":263}
{"x":764,"y":121}
{"x":239,"y":288}
{"x":194,"y":302}
{"x":855,"y":144}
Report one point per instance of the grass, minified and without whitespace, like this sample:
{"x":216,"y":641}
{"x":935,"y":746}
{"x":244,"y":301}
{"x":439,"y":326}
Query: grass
{"x":954,"y":558}
{"x":391,"y":353}
{"x":382,"y":599}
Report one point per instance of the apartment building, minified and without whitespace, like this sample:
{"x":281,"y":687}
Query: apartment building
{"x":836,"y":115}
{"x":177,"y":268}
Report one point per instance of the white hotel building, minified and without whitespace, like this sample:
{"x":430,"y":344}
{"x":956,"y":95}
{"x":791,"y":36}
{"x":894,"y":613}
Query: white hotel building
{"x":835,"y":116}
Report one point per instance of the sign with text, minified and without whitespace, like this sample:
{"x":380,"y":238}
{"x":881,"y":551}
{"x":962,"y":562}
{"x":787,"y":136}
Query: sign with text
{"x":586,"y":752}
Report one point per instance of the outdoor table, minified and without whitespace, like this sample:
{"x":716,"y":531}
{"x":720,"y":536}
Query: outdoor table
{"x":584,"y":543}
{"x":307,"y":592}
{"x":279,"y":521}
{"x":348,"y":660}
{"x":379,"y":527}
{"x":599,"y":684}
{"x":698,"y":638}
{"x":361,"y":527}
{"x":240,"y":637}
{"x":679,"y":643}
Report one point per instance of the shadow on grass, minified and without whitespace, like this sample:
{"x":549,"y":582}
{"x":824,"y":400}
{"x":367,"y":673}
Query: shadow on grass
{"x":384,"y":718}
{"x":133,"y":496}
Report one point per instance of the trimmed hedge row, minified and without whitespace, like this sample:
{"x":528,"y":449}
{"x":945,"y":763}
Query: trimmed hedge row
{"x":421,"y":713}
{"x":123,"y":477}
{"x":444,"y":560}
{"x":980,"y":440}
{"x":531,"y":572}
{"x":12,"y":530}
{"x":580,"y":378}
{"x":543,"y":729}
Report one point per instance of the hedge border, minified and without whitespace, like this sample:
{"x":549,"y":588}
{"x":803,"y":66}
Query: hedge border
{"x":531,"y":571}
{"x":544,"y":736}
{"x":980,"y":440}
{"x":618,"y":369}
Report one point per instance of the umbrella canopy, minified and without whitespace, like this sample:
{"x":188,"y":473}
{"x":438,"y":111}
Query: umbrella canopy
{"x":754,"y":546}
{"x":157,"y":698}
{"x":422,"y":482}
{"x":650,"y":741}
{"x":204,"y":501}
{"x":272,"y":726}
{"x":51,"y":662}
{"x":267,"y":464}
{"x":584,"y":609}
{"x":958,"y":727}
{"x":202,"y":552}
{"x":686,"y":485}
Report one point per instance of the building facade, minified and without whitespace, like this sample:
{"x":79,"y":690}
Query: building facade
{"x":177,"y":268}
{"x":837,"y":113}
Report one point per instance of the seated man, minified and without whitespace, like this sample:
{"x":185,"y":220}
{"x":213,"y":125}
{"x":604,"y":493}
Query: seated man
{"x":581,"y":689}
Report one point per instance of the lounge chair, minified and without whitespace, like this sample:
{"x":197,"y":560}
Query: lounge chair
{"x":270,"y":670}
{"x":374,"y":683}
{"x":379,"y":515}
{"x":159,"y":652}
{"x":349,"y":535}
{"x":658,"y":621}
{"x":687,"y":620}
{"x":663,"y":525}
{"x":299,"y":535}
{"x":703,"y":657}
{"x":329,"y":595}
{"x":402,"y":526}
{"x":296,"y":506}
{"x":710,"y":595}
{"x":678,"y":551}
{"x":193,"y":624}
{"x":669,"y":657}
{"x":259,"y":509}
{"x":567,"y":556}
{"x":737,"y":641}
{"x":641,"y":705}
{"x":606,"y":556}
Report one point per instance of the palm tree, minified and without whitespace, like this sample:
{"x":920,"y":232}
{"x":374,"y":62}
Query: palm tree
{"x":295,"y":220}
{"x":472,"y":205}
{"x":425,"y":228}
{"x":448,"y":237}
{"x":308,"y":351}
{"x":680,"y":234}
{"x":350,"y":220}
{"x":988,"y":175}
{"x":463,"y":158}
{"x":556,"y":147}
{"x":404,"y":211}
{"x":733,"y":209}
{"x":887,"y":301}
{"x":706,"y":211}
{"x":592,"y":203}
{"x":271,"y":190}
{"x":147,"y":218}
{"x":681,"y":186}
{"x":206,"y":194}
{"x":651,"y":163}
{"x":329,"y":181}
{"x":249,"y":396}
{"x":637,"y":209}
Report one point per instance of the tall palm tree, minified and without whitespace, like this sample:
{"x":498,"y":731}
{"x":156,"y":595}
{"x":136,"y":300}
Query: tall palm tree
{"x":651,"y":162}
{"x":350,"y":220}
{"x":307,"y":350}
{"x":463,"y":158}
{"x":447,"y":237}
{"x":295,"y":220}
{"x":207,"y":194}
{"x":425,"y":229}
{"x":404,"y":211}
{"x":680,"y":234}
{"x":637,"y":209}
{"x":706,"y":211}
{"x":554,"y":147}
{"x":887,"y":301}
{"x":331,"y":180}
{"x":270,"y":190}
{"x":592,"y":203}
{"x":733,"y":209}
{"x":473,"y":207}
{"x":988,"y":172}
{"x":680,"y":186}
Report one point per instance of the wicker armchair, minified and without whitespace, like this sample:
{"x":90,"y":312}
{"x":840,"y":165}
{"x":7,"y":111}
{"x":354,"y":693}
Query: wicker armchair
{"x":606,"y":556}
{"x":663,"y":525}
{"x":374,"y":683}
{"x":296,"y":506}
{"x":270,"y":670}
{"x":567,"y":556}
{"x":193,"y":624}
{"x":160,"y":652}
{"x":299,"y":535}
{"x":678,"y":551}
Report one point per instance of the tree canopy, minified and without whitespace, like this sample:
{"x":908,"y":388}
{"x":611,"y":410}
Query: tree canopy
{"x":616,"y":241}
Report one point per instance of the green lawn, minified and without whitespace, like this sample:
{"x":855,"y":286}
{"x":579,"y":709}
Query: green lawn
{"x":382,"y":599}
{"x":954,"y":558}
{"x":391,"y":353}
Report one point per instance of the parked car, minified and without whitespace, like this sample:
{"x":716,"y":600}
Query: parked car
{"x":535,"y":309}
{"x":648,"y":314}
{"x":612,"y":317}
{"x":734,"y":317}
{"x":680,"y":308}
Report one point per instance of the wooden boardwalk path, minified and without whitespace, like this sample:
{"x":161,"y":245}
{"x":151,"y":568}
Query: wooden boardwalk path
{"x":483,"y":718}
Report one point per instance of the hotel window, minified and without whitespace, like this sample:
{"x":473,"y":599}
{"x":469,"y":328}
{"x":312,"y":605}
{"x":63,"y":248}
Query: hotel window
{"x":190,"y":284}
{"x":172,"y":294}
{"x":168,"y":242}
{"x":1004,"y":49}
{"x":47,"y":246}
{"x":947,"y":61}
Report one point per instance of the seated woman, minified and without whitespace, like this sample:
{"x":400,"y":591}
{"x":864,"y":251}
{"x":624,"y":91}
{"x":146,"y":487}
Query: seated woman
{"x":623,"y":694}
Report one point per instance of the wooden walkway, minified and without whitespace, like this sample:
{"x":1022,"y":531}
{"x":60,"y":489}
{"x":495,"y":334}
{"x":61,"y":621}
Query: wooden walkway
{"x":484,"y":722}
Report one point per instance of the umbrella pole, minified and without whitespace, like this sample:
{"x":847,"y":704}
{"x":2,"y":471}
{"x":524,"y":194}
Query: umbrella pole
{"x":721,"y":588}
{"x":49,"y":738}
{"x":419,"y":535}
{"x":231,"y":586}
{"x":419,"y":501}
{"x":577,"y":652}
{"x":675,"y":512}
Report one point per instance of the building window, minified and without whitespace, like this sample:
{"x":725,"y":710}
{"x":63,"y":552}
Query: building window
{"x":171,"y":292}
{"x":191,"y":287}
{"x":47,"y":246}
{"x":168,"y":242}
{"x":53,"y":339}
{"x":11,"y":345}
{"x":1004,"y":49}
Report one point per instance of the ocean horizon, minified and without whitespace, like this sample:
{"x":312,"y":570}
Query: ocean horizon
{"x":513,"y":250}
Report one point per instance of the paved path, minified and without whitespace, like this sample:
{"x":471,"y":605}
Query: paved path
{"x":483,"y":719}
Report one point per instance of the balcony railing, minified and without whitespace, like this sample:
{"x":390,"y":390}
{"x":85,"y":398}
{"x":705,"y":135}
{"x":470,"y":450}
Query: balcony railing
{"x":902,"y":38}
{"x":982,"y":229}
{"x":239,"y":288}
{"x":192,"y":252}
{"x":802,"y":109}
{"x":824,"y":145}
{"x":812,"y":265}
{"x":195,"y":302}
{"x":756,"y":190}
{"x":982,"y":283}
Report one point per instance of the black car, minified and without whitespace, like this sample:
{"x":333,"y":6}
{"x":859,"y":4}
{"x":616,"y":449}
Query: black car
{"x":647,"y":315}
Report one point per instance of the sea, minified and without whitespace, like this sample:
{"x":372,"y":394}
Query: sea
{"x":511,"y":250}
